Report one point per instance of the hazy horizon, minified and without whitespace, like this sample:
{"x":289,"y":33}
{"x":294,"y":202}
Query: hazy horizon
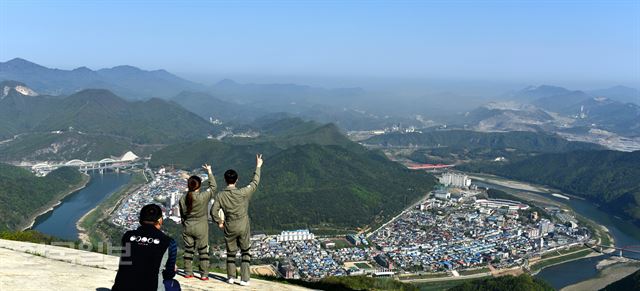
{"x":499,"y":44}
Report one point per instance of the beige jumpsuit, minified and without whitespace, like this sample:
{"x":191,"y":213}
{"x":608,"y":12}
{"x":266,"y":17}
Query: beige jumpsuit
{"x":235,"y":204}
{"x":195,"y":233}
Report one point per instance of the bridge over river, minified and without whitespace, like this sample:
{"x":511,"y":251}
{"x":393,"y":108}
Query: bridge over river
{"x":635,"y":249}
{"x":127,"y":160}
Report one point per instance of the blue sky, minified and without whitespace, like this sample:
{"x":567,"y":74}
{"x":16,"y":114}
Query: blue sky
{"x":515,"y":41}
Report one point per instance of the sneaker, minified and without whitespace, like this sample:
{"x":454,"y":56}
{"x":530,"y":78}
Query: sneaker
{"x":188,"y":276}
{"x":230,"y":280}
{"x":243,"y":283}
{"x":204,"y":278}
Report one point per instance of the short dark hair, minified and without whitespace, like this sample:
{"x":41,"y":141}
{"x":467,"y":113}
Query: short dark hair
{"x":150,"y":213}
{"x":231,"y":176}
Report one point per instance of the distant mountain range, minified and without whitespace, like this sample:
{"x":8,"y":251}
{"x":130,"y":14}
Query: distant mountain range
{"x":126,"y":81}
{"x":226,"y":100}
{"x":509,"y":116}
{"x":618,"y":93}
{"x":551,"y":108}
{"x":561,"y":96}
{"x":544,"y":107}
{"x":98,"y":111}
{"x":208,"y":106}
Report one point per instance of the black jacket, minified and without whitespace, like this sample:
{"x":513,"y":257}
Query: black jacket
{"x":146,"y":252}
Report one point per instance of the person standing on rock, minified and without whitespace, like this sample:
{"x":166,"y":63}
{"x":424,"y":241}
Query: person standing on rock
{"x":235,"y":205}
{"x":148,"y":261}
{"x":195,"y":233}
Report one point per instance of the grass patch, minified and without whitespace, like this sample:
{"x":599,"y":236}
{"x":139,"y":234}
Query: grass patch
{"x":426,"y":276}
{"x":563,"y":252}
{"x":559,"y":259}
{"x":474,"y":271}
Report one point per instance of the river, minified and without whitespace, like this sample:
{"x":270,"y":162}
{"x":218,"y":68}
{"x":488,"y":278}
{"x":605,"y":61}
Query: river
{"x":61,"y":222}
{"x":623,"y":232}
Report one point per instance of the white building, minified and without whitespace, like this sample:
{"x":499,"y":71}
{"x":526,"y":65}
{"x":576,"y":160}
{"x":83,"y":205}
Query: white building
{"x":455,"y":180}
{"x":295,"y":235}
{"x":442,"y":195}
{"x":500,"y":203}
{"x":546,"y":226}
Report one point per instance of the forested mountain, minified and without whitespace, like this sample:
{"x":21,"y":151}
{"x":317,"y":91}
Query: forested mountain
{"x":525,"y":141}
{"x":505,"y":283}
{"x":98,"y":111}
{"x":22,"y":193}
{"x":456,"y":146}
{"x":127,"y":81}
{"x":311,"y":178}
{"x":606,"y":177}
{"x":209,"y":106}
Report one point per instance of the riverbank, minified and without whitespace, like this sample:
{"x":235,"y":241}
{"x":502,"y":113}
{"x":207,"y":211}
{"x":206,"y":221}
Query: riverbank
{"x":88,"y":232}
{"x":610,"y":273}
{"x":561,"y":259}
{"x":51,"y":205}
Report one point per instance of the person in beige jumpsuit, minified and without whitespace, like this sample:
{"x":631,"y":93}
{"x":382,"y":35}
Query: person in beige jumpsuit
{"x":193,"y":211}
{"x":235,"y":204}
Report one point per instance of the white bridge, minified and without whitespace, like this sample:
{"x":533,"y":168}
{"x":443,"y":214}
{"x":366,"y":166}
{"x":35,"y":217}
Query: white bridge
{"x":128,"y":160}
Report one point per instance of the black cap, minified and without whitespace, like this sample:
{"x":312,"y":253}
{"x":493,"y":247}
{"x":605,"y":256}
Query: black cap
{"x":150,"y":213}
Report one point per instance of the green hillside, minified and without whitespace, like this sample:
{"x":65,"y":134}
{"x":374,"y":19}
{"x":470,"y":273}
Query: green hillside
{"x":98,"y":111}
{"x":454,"y":146}
{"x":288,"y":132}
{"x":505,"y":283}
{"x":314,"y":178}
{"x":520,"y":140}
{"x":313,"y":185}
{"x":22,"y":193}
{"x":607,"y":177}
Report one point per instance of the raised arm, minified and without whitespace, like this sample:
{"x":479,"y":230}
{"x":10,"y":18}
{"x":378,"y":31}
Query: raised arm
{"x":253,"y":185}
{"x":213,"y":186}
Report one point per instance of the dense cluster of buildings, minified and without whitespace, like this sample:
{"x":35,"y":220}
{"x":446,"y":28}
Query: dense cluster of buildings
{"x":441,"y":235}
{"x":165,"y":189}
{"x":304,"y":258}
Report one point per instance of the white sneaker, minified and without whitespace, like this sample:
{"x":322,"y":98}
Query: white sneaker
{"x":243,"y":283}
{"x":230,"y":280}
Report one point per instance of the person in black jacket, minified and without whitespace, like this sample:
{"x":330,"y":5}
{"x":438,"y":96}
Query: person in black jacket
{"x":148,"y":261}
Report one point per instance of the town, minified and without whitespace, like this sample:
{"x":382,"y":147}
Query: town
{"x":453,"y":229}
